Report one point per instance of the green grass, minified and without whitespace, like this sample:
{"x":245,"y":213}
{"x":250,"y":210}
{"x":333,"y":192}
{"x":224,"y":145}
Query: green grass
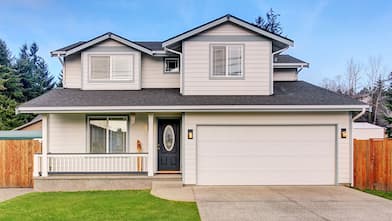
{"x":96,"y":205}
{"x":387,"y":195}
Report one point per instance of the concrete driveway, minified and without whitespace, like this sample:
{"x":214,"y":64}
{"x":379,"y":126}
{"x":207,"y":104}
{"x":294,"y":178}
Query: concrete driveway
{"x":290,"y":203}
{"x":9,"y":193}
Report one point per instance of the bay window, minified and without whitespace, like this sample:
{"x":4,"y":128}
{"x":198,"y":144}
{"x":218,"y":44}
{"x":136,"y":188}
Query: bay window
{"x":108,"y":134}
{"x":227,"y":61}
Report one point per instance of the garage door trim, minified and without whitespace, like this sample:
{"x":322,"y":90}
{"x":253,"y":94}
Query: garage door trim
{"x":289,"y":125}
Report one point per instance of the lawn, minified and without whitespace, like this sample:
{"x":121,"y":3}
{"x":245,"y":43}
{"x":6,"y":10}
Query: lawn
{"x":387,"y":195}
{"x":96,"y":205}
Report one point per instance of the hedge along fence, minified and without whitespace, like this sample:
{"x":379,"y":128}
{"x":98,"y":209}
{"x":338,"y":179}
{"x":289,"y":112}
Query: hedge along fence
{"x":373,"y":164}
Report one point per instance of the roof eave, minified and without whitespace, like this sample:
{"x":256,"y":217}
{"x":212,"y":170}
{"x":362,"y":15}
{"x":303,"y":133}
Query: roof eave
{"x":221,"y":20}
{"x":194,"y":108}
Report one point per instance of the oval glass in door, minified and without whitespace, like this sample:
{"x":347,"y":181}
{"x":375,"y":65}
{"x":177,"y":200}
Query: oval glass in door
{"x":168,"y":138}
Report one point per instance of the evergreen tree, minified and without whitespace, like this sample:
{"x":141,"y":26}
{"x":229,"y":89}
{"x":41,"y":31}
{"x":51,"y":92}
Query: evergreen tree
{"x":8,"y":119}
{"x":60,"y":80}
{"x":10,"y":85}
{"x":33,"y":71}
{"x":270,"y":22}
{"x":5,"y":54}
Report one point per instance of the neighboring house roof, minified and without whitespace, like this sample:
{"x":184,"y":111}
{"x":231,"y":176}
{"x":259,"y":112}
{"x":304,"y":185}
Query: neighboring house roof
{"x":228,"y":18}
{"x":79,"y":46}
{"x":288,"y":61}
{"x":285,"y":93}
{"x":37,"y":119}
{"x":20,"y":134}
{"x":364,"y":125}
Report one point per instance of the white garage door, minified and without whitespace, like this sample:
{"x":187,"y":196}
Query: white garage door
{"x":266,"y":155}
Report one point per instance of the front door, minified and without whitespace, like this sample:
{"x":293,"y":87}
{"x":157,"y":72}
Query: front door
{"x":168,"y":145}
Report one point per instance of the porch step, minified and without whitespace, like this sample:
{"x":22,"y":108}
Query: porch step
{"x":85,"y":182}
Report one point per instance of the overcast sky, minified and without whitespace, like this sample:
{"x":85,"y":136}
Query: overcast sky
{"x":326,"y":33}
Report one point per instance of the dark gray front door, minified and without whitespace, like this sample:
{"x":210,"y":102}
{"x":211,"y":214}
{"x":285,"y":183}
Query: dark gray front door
{"x":168,"y":145}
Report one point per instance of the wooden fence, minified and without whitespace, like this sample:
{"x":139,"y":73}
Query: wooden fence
{"x":16,"y":162}
{"x":373,"y":164}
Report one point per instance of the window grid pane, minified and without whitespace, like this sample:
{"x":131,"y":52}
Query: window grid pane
{"x":122,"y":67}
{"x":235,"y":61}
{"x":100,"y":67}
{"x":219,"y":61}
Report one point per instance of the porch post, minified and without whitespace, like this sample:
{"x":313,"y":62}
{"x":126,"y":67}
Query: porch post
{"x":44,"y":164}
{"x":150,"y":143}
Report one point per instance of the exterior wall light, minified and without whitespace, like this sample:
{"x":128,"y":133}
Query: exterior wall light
{"x":343,"y":133}
{"x":190,"y":134}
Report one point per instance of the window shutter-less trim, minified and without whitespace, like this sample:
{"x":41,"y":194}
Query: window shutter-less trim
{"x":227,"y":61}
{"x":111,"y":67}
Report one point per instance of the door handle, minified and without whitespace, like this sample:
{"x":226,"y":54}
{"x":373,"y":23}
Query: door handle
{"x":158,"y":146}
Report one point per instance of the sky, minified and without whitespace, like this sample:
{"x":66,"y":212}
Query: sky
{"x":326,"y":33}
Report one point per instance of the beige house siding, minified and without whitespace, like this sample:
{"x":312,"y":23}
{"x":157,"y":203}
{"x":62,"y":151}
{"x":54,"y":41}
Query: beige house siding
{"x":285,"y":75}
{"x":191,"y":120}
{"x":66,"y":133}
{"x":228,"y":29}
{"x":257,"y":63}
{"x":153,"y":75}
{"x":73,"y":71}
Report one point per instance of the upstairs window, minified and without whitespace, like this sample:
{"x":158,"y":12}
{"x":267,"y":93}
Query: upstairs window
{"x":171,"y":65}
{"x":111,"y":67}
{"x":227,"y":61}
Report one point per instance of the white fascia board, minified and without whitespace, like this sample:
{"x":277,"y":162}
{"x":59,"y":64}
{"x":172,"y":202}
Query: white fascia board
{"x":222,"y":20}
{"x":195,"y":108}
{"x":105,"y":37}
{"x":290,"y":65}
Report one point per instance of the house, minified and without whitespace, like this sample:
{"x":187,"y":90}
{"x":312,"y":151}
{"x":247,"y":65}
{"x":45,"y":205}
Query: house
{"x":365,"y":131}
{"x":35,"y":124}
{"x":219,"y":104}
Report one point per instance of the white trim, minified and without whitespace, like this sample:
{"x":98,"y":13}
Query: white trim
{"x":173,"y":59}
{"x":101,"y":39}
{"x":227,"y":65}
{"x":222,"y":20}
{"x":107,"y":117}
{"x":194,"y":108}
{"x":111,"y":55}
{"x":150,"y":144}
{"x":290,"y":65}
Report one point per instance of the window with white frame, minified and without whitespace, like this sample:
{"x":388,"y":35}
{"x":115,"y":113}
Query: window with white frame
{"x":111,"y":67}
{"x":171,"y":65}
{"x":108,"y":134}
{"x":227,"y":61}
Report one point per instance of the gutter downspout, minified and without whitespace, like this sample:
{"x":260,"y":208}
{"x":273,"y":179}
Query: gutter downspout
{"x":180,"y":63}
{"x":360,"y":114}
{"x":272,"y":68}
{"x":62,"y":62}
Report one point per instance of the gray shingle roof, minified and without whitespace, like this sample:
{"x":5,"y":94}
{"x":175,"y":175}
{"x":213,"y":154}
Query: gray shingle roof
{"x":285,"y":93}
{"x":152,"y":45}
{"x":285,"y":58}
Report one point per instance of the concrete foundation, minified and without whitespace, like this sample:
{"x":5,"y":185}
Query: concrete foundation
{"x":98,"y":182}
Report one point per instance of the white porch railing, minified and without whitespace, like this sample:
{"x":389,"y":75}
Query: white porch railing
{"x":92,"y":163}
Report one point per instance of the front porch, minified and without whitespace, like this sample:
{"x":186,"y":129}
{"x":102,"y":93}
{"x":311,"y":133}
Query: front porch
{"x":91,"y":148}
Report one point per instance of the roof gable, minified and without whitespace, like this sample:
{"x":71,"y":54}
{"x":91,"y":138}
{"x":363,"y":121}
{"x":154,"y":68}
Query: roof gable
{"x":224,"y":19}
{"x":79,"y":46}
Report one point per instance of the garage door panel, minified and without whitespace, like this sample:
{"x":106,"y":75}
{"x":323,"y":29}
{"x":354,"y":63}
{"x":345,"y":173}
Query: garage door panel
{"x":252,"y":155}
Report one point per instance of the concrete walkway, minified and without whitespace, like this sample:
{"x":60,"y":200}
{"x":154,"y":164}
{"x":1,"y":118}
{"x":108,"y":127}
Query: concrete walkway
{"x":9,"y":193}
{"x":172,"y":190}
{"x":290,"y":203}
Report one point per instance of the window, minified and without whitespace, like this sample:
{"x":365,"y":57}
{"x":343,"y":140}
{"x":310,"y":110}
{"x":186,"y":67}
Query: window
{"x":227,"y":61}
{"x":111,"y":67}
{"x":108,"y":134}
{"x":171,"y":65}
